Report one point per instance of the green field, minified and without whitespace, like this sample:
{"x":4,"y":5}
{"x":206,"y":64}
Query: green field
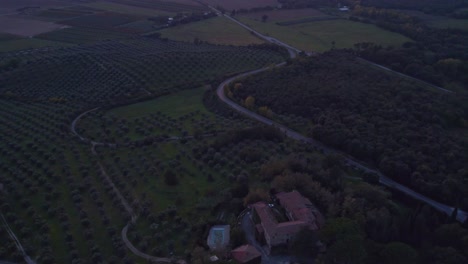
{"x":217,"y":30}
{"x":27,"y":43}
{"x":318,"y":36}
{"x":449,"y":23}
{"x":174,"y":105}
{"x":282,"y":15}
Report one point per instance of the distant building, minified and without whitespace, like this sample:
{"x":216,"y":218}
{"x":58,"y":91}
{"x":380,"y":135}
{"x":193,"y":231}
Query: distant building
{"x":219,"y":237}
{"x":300,"y":214}
{"x":344,"y":9}
{"x":246,"y":254}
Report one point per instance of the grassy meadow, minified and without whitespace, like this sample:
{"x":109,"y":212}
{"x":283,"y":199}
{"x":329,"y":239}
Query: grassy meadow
{"x":318,"y":36}
{"x":174,"y":105}
{"x":218,"y":30}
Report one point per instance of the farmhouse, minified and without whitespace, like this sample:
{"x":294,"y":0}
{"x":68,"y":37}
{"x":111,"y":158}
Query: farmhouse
{"x":344,"y":9}
{"x":275,"y":230}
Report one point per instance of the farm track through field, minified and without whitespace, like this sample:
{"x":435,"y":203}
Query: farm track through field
{"x":122,"y":199}
{"x":18,"y":245}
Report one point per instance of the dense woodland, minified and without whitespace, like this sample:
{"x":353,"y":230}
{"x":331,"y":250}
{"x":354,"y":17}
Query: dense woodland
{"x":411,"y":132}
{"x":436,"y":55}
{"x":439,"y":56}
{"x":428,"y":6}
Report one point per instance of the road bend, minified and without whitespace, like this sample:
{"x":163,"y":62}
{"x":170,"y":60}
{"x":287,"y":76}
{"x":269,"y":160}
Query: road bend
{"x":384,"y":180}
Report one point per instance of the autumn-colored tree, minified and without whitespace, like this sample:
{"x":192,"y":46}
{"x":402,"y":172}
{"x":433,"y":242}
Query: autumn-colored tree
{"x":256,"y":195}
{"x":265,"y":111}
{"x":249,"y":102}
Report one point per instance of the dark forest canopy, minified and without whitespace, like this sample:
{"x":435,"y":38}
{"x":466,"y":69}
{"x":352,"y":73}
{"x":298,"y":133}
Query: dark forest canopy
{"x":411,"y":133}
{"x":432,"y":6}
{"x":436,"y":6}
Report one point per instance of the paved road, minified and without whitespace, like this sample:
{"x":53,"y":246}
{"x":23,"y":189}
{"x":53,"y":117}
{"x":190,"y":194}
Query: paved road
{"x":406,"y":76}
{"x":461,"y":216}
{"x":292,"y":51}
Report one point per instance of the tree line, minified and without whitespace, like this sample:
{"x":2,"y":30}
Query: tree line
{"x":439,"y":56}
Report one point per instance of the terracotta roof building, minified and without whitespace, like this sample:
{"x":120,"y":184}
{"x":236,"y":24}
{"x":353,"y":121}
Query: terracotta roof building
{"x":300,"y":214}
{"x":246,"y":254}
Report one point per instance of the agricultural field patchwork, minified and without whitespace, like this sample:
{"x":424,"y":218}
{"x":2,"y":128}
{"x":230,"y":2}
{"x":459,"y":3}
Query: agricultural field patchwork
{"x":321,"y":36}
{"x":10,"y":6}
{"x":49,"y":168}
{"x":239,"y":4}
{"x":101,"y":20}
{"x":284,"y":15}
{"x":78,"y":35}
{"x":110,"y":70}
{"x":218,"y":30}
{"x":56,"y":14}
{"x":166,"y":6}
{"x":25,"y":27}
{"x":126,"y":9}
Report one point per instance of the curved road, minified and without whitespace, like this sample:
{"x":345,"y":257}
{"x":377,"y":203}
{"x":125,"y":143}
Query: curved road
{"x":461,"y":216}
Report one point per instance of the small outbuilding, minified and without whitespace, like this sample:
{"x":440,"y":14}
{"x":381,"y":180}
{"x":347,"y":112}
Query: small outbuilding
{"x":344,"y":9}
{"x":219,"y":237}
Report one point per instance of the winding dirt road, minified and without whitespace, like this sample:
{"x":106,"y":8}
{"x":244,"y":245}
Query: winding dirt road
{"x":18,"y":245}
{"x":122,"y":199}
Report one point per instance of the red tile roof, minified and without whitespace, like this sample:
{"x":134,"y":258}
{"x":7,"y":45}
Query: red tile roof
{"x":299,"y":208}
{"x":300,"y":212}
{"x":245,"y":253}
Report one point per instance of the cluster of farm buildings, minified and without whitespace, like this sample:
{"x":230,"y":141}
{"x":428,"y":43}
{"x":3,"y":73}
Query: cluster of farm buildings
{"x":276,"y":225}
